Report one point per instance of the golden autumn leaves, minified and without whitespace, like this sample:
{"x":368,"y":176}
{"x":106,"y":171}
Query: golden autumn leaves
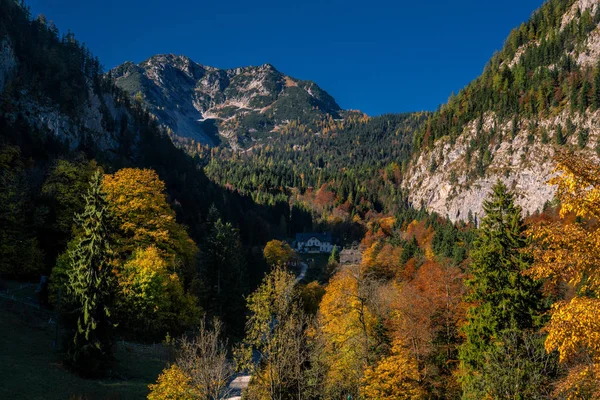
{"x":156,"y":252}
{"x":374,"y":337}
{"x":567,"y":253}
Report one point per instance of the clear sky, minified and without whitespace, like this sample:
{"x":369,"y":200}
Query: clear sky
{"x":373,"y":55}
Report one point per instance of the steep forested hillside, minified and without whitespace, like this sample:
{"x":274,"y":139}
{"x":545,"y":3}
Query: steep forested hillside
{"x":539,"y":94}
{"x":352,"y":165}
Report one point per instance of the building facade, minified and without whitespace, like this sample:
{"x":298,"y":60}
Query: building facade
{"x":314,"y":243}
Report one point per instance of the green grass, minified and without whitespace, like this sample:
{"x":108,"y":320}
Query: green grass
{"x":31,"y":369}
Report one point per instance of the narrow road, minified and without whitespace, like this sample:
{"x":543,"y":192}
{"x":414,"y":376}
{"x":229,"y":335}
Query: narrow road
{"x":302,"y":272}
{"x":237,"y":385}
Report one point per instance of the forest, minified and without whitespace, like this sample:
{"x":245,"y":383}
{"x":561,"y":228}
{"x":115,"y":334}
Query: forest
{"x":189,"y":246}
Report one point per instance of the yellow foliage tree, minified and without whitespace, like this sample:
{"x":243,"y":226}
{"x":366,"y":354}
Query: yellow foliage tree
{"x":278,"y":253}
{"x":173,"y":384}
{"x":154,"y":294}
{"x":395,"y":377}
{"x":346,"y":328}
{"x":137,"y":199}
{"x":568,"y":251}
{"x":154,"y":252}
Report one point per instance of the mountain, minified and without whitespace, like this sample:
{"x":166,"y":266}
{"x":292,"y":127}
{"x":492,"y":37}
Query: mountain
{"x":202,"y":103}
{"x":538,"y":96}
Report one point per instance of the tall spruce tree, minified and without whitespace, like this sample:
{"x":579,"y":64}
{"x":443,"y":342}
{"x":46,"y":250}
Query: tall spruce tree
{"x":503,"y":298}
{"x":223,"y":271}
{"x":90,"y":284}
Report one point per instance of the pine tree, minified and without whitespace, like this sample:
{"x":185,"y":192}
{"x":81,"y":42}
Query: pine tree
{"x":223,"y":271}
{"x":596,"y":96}
{"x":584,"y":103}
{"x":559,"y":137}
{"x":90,"y":284}
{"x":502,"y":297}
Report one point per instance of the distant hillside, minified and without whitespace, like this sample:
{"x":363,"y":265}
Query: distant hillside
{"x":207,"y":104}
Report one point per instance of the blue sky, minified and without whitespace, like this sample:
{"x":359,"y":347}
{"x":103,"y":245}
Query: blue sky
{"x":376,"y":56}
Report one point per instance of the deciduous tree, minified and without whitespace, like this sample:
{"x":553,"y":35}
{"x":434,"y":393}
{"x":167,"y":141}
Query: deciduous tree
{"x":137,"y":199}
{"x":567,"y":251}
{"x":393,"y":377}
{"x":201,"y":370}
{"x":276,"y":332}
{"x":278,"y":253}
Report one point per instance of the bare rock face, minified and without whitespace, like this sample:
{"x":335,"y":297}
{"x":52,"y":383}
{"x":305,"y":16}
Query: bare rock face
{"x":523,"y":163}
{"x":89,"y":125}
{"x":589,"y":55}
{"x":579,"y":6}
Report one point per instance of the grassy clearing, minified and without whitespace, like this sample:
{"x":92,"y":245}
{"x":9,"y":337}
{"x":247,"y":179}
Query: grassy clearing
{"x":31,"y":369}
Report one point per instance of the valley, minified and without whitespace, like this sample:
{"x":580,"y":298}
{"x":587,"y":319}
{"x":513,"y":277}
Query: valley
{"x":184,"y":225}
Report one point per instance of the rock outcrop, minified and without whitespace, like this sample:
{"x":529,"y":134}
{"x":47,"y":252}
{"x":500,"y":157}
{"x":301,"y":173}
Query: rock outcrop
{"x":524,"y":163}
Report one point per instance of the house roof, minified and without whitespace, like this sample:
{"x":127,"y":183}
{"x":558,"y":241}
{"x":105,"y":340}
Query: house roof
{"x":304,"y":237}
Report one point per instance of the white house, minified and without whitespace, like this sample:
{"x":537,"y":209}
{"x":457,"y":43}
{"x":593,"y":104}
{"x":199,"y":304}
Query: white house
{"x":314,"y":243}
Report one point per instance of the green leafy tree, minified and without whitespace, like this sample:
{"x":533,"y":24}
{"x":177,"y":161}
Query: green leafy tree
{"x":91,"y":284}
{"x":502,"y":298}
{"x":151,"y":298}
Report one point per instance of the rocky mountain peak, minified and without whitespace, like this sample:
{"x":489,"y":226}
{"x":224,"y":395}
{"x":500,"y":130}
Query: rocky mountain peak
{"x":207,"y":104}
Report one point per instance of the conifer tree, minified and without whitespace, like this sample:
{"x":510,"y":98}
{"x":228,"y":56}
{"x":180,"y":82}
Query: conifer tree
{"x":596,"y":96}
{"x":90,"y":284}
{"x":223,"y":271}
{"x":503,"y":298}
